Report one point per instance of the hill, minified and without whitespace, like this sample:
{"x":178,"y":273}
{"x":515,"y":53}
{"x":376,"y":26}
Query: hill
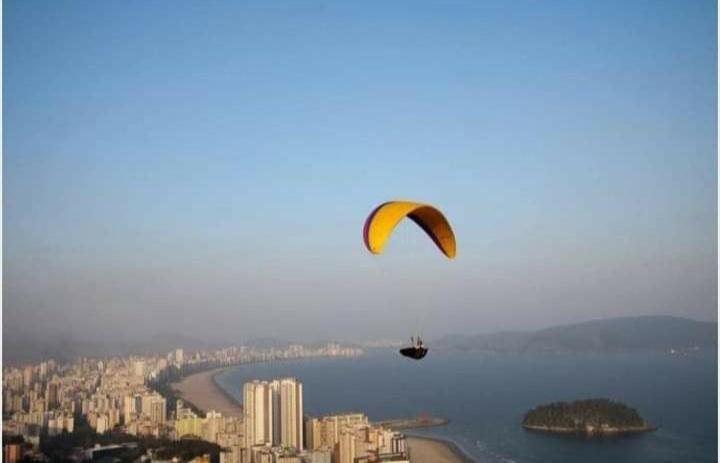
{"x":626,"y":334}
{"x":590,"y":416}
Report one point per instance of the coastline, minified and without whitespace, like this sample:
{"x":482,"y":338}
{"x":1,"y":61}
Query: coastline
{"x":202,"y":390}
{"x":590,"y":431}
{"x":423,"y":449}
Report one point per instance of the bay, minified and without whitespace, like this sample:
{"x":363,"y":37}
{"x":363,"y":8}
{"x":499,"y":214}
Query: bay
{"x":485,"y":397}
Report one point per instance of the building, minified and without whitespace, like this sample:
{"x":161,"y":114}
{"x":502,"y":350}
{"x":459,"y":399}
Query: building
{"x":153,"y":406}
{"x":274,"y":414}
{"x":12,"y":453}
{"x":232,"y":444}
{"x":189,"y":427}
{"x":319,"y":456}
{"x":291,"y":413}
{"x":158,"y":410}
{"x":257,"y":404}
{"x":51,"y":395}
{"x":128,"y":409}
{"x":139,"y":368}
{"x":367,"y":443}
{"x":324,"y":431}
{"x":60,"y":423}
{"x":27,"y":376}
{"x":346,"y":450}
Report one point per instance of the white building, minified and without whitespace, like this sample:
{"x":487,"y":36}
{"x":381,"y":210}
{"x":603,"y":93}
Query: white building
{"x":274,"y":413}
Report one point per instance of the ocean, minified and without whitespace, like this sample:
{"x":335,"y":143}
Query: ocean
{"x":485,"y":397}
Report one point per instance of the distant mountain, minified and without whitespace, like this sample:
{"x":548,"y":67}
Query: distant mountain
{"x":609,"y":335}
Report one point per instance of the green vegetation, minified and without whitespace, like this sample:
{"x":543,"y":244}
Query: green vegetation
{"x":184,"y":449}
{"x":586,"y":416}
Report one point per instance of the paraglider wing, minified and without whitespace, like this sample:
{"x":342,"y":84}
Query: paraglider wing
{"x":382,"y":221}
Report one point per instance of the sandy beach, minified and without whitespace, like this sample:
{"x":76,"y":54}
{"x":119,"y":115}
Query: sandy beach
{"x":429,"y":450}
{"x":201,"y":390}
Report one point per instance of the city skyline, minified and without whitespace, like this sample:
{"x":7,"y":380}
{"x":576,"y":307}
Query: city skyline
{"x":136,"y":396}
{"x":206,"y":170}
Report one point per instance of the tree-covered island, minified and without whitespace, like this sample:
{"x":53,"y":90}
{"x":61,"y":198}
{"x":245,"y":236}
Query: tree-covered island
{"x":591,"y":416}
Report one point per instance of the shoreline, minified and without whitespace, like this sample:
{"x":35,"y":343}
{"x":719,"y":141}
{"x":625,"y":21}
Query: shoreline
{"x":600,"y":432}
{"x":188,"y":386}
{"x":227,"y":395}
{"x":436,"y":449}
{"x":203,"y":391}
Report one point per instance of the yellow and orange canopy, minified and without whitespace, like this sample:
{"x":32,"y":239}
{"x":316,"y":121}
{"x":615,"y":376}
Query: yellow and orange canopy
{"x":382,"y":221}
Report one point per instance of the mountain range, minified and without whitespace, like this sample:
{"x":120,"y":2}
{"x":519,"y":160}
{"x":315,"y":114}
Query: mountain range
{"x":625,"y":334}
{"x":658,"y":333}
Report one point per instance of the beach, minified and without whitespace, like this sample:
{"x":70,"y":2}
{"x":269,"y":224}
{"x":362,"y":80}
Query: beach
{"x":431,"y":450}
{"x":201,"y":390}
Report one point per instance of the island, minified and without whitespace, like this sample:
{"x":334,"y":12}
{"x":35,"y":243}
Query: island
{"x":589,"y":417}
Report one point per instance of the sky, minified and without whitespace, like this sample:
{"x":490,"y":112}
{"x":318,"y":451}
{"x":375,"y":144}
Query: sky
{"x":205,"y":168}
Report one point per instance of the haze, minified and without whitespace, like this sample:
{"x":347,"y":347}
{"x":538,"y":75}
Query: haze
{"x":205,"y":168}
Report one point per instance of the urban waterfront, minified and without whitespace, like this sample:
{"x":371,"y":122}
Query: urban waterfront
{"x":485,"y":396}
{"x":71,"y":411}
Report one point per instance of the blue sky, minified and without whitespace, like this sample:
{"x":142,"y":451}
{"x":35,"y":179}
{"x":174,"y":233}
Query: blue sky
{"x":207,"y":166}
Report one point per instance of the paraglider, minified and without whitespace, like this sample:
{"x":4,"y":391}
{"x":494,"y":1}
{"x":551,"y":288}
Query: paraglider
{"x":380,"y":225}
{"x":382,"y":221}
{"x":416,"y":350}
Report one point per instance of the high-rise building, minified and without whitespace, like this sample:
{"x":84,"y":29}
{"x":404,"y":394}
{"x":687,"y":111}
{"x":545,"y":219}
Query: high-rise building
{"x":7,"y":401}
{"x":179,"y":356}
{"x":146,"y":401}
{"x":291,"y":413}
{"x":274,"y":413}
{"x":128,"y":408}
{"x":27,"y":376}
{"x":158,"y":410}
{"x":102,"y":424}
{"x":258,"y":406}
{"x":139,"y":368}
{"x":151,"y":405}
{"x":51,"y":395}
{"x":214,"y":425}
{"x":346,"y":447}
{"x":138,"y":407}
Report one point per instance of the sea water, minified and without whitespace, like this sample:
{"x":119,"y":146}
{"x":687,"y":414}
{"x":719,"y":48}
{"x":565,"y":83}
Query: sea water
{"x":485,"y":397}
